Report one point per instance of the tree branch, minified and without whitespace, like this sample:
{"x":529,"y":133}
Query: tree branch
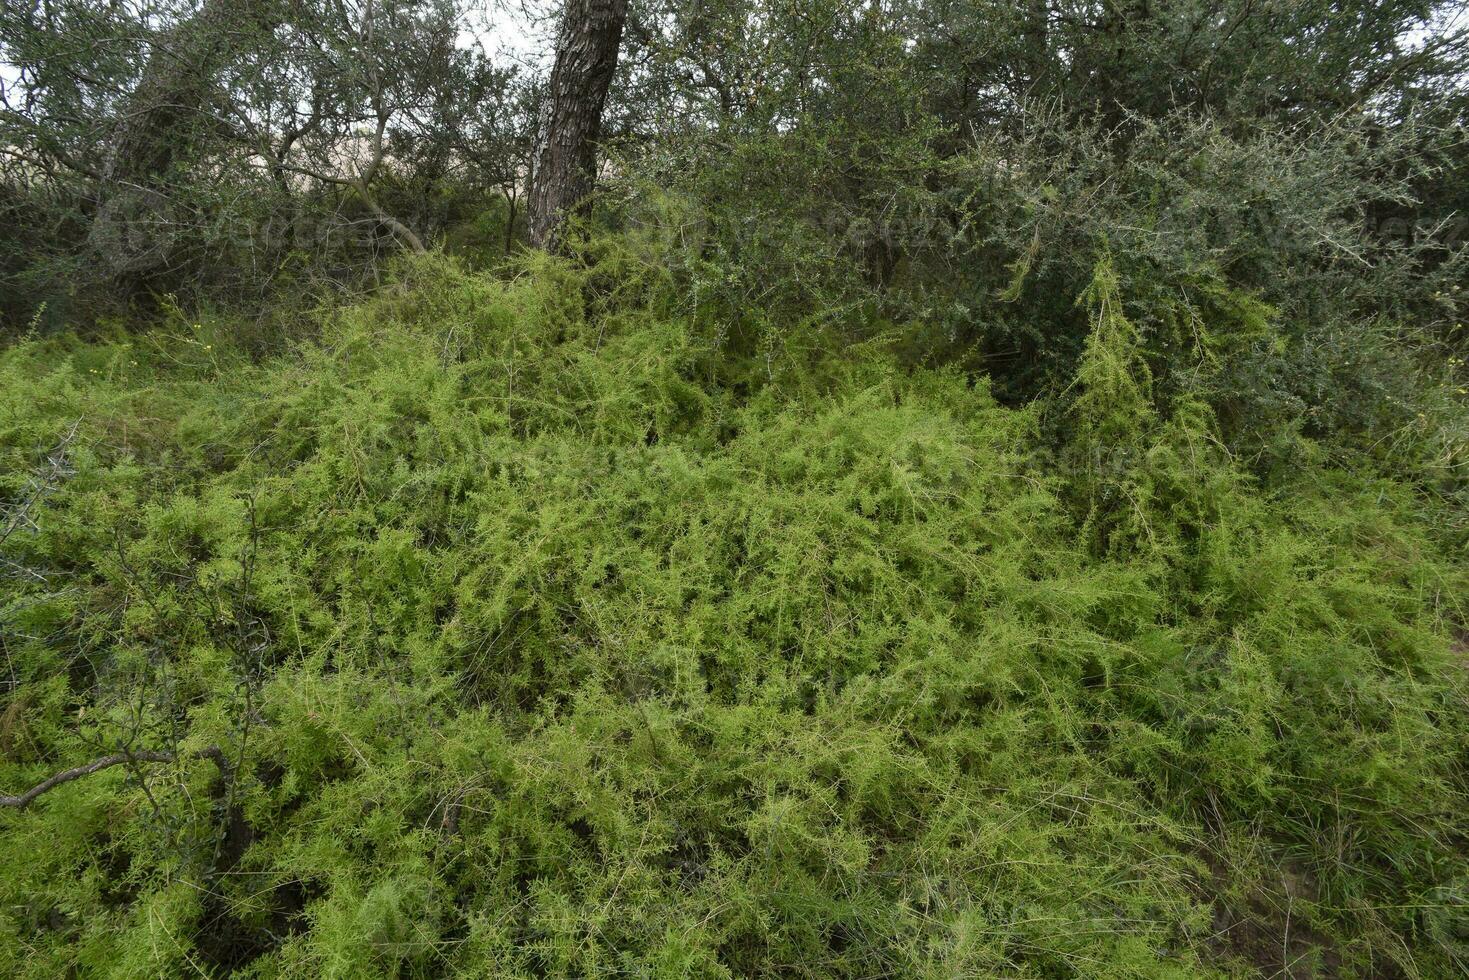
{"x":213,"y":753}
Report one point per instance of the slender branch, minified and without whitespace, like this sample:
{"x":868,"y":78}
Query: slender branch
{"x":213,"y":753}
{"x":357,"y":185}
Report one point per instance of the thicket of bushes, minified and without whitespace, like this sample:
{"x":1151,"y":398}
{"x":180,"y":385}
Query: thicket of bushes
{"x":980,"y":491}
{"x":547,"y":625}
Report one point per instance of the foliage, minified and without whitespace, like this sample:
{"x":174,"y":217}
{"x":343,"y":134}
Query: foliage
{"x":981,"y":493}
{"x":541,"y":643}
{"x":1276,"y":186}
{"x":238,"y":151}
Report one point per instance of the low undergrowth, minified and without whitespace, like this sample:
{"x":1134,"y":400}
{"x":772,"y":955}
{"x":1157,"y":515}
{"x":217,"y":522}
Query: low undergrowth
{"x":533,"y":647}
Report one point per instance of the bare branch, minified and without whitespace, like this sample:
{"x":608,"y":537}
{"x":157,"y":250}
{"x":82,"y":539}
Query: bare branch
{"x":213,"y":753}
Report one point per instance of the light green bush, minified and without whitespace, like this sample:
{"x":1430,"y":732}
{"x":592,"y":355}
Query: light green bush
{"x":538,"y":651}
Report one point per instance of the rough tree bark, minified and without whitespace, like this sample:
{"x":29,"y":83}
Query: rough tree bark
{"x":565,"y":157}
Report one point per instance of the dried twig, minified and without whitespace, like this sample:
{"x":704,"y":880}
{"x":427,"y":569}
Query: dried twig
{"x":42,"y":484}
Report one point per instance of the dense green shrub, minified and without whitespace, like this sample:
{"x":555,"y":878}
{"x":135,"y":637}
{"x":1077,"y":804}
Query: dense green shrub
{"x":533,"y":647}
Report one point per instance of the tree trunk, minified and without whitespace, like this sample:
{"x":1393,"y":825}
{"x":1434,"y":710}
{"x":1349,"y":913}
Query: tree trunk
{"x":565,"y":158}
